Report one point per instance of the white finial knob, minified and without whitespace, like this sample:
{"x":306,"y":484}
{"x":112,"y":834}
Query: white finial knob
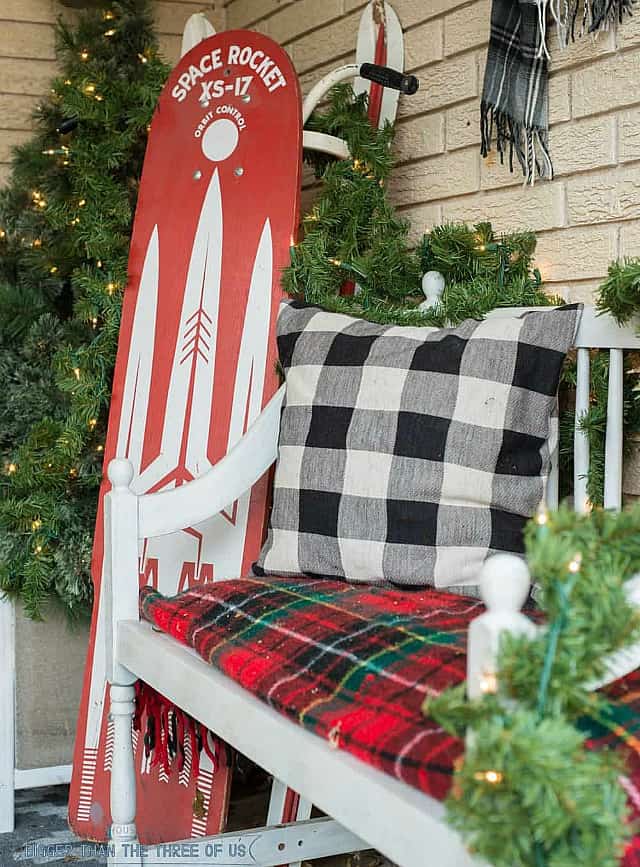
{"x":120,"y":472}
{"x":504,"y":583}
{"x":433,"y":287}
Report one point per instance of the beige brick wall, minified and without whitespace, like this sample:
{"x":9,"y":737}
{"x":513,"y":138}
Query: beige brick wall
{"x":27,"y":56}
{"x":588,"y":215}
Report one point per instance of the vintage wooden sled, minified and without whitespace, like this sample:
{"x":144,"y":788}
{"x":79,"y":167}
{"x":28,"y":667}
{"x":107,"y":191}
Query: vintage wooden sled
{"x":364,"y":806}
{"x":217,"y":213}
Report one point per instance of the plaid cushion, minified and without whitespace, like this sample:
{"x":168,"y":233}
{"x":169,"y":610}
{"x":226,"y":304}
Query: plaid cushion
{"x":353,"y":664}
{"x":350,"y":663}
{"x":410,"y":454}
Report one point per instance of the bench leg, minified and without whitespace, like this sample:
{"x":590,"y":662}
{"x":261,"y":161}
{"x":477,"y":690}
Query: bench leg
{"x":124,"y":847}
{"x":286,"y":806}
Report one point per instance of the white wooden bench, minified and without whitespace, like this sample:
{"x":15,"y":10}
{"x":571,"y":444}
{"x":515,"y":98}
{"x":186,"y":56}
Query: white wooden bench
{"x":368,"y":808}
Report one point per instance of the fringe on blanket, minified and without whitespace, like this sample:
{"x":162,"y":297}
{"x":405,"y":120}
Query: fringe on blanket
{"x":167,"y":729}
{"x":596,"y":15}
{"x":531,"y":144}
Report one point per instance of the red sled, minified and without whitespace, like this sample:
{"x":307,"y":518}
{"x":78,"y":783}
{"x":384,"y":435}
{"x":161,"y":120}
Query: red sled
{"x":217,"y":213}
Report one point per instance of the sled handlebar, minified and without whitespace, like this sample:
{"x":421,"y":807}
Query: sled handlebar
{"x":391,"y":78}
{"x":379,"y":74}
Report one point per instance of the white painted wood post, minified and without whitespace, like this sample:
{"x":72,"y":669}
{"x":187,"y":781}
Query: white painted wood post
{"x":7,"y":713}
{"x":504,"y":586}
{"x":277,"y":807}
{"x":120,"y":599}
{"x":614,"y":436}
{"x":124,"y":837}
{"x":580,"y":438}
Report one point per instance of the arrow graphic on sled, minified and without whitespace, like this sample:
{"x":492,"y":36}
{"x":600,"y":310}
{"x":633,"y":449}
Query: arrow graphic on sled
{"x":183,"y":454}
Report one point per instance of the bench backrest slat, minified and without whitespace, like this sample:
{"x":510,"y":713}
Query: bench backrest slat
{"x":596,"y":331}
{"x":580,"y":437}
{"x":614,"y":437}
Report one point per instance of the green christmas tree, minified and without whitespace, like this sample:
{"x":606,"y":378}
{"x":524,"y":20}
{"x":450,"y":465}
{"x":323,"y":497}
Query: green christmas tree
{"x":65,"y":221}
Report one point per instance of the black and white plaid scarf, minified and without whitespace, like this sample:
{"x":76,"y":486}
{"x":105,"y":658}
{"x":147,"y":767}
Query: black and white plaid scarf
{"x":515,"y":95}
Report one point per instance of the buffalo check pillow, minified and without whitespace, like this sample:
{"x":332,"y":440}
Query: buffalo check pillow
{"x":411,"y":454}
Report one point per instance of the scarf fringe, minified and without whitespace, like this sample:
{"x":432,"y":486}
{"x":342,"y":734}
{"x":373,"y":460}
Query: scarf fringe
{"x":167,"y":729}
{"x":597,"y":15}
{"x":530,"y":144}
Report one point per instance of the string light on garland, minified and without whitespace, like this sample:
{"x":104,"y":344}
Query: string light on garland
{"x":76,"y":373}
{"x":110,"y":33}
{"x":84,"y":55}
{"x":575,"y":563}
{"x":111,"y":288}
{"x":36,"y":524}
{"x":53,"y":269}
{"x":73,"y":472}
{"x":38,"y":199}
{"x":491,"y":776}
{"x":92,"y":423}
{"x":108,"y":15}
{"x":11,"y":468}
{"x":142,"y":57}
{"x":489,"y":683}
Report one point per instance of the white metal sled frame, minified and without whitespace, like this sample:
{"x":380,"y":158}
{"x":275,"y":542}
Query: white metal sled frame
{"x":367,"y":807}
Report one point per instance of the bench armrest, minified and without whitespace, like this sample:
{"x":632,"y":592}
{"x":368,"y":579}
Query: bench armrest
{"x":190,"y":504}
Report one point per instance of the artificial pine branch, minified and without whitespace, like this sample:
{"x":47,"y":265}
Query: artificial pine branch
{"x":619,"y":294}
{"x":529,"y":793}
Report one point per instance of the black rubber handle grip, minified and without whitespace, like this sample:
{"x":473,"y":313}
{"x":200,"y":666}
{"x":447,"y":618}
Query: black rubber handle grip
{"x":390,"y":78}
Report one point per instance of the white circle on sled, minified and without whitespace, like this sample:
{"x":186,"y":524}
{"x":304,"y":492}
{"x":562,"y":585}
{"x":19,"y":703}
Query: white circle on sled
{"x":220,"y":140}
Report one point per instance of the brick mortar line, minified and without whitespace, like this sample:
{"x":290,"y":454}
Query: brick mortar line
{"x":28,"y":23}
{"x":618,"y":51}
{"x":261,"y":18}
{"x":304,"y":33}
{"x":572,"y":120}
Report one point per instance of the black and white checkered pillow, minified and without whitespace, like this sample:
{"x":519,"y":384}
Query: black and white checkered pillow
{"x":410,"y":454}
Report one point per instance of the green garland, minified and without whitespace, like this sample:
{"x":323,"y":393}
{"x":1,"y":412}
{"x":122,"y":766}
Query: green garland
{"x":66,"y":220}
{"x":619,"y":295}
{"x":529,"y":794}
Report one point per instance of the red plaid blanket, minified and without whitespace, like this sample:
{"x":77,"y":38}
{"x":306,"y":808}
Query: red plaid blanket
{"x":353,"y":663}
